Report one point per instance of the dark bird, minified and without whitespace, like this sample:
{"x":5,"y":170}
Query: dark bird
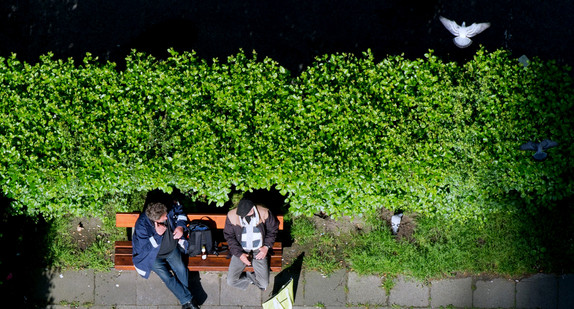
{"x":462,"y":33}
{"x":540,"y":155}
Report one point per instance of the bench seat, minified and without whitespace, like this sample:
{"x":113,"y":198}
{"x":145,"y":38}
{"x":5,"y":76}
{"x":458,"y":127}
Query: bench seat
{"x":123,"y":248}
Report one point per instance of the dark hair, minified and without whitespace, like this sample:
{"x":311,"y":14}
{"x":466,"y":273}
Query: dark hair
{"x":154,"y":211}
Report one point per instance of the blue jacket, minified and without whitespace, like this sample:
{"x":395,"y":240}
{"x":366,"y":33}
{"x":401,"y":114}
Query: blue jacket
{"x":146,"y":241}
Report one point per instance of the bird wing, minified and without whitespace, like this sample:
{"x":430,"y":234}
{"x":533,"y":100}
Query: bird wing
{"x":475,"y":29}
{"x":450,"y":25}
{"x":548,"y":144}
{"x":529,"y":146}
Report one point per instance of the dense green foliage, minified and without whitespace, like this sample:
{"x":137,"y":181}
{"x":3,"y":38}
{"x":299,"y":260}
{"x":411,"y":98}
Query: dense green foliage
{"x":347,"y":136}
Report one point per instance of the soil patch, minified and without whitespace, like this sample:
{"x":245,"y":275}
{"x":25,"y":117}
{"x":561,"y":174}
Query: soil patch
{"x":341,"y":226}
{"x":84,"y":231}
{"x":406,"y":227}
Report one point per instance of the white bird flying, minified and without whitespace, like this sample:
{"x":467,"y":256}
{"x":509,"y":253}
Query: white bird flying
{"x":462,"y":34}
{"x":539,"y":155}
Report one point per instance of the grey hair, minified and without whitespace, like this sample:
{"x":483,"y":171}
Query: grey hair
{"x":154,"y":211}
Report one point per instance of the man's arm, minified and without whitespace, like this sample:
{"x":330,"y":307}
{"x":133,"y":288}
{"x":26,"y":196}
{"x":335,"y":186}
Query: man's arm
{"x":271,"y":230}
{"x":144,"y":239}
{"x":181,"y":217}
{"x":229,"y":235}
{"x":181,"y":220}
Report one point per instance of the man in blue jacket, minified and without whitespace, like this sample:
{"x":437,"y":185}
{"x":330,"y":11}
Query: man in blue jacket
{"x":155,"y":248}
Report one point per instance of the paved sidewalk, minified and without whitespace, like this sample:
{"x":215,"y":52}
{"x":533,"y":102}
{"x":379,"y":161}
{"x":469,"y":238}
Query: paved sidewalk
{"x":127,"y":290}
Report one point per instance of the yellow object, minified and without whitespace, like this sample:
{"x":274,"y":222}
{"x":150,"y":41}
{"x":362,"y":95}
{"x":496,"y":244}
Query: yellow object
{"x":283,"y":299}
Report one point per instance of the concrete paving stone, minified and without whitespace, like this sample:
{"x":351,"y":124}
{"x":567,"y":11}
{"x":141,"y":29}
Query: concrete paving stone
{"x":137,"y":307}
{"x":57,"y":307}
{"x":496,"y":293}
{"x":234,"y":296}
{"x":115,"y":288}
{"x":206,"y":288}
{"x":329,"y":291}
{"x":266,"y":295}
{"x":409,"y":292}
{"x":365,"y":290}
{"x":38,"y":289}
{"x":281,"y":278}
{"x":539,"y":291}
{"x":345,"y":307}
{"x":566,"y":291}
{"x":98,"y":307}
{"x":298,"y":288}
{"x":222,"y":307}
{"x":339,"y":307}
{"x":72,"y":286}
{"x":168,"y":307}
{"x":455,"y":292}
{"x":299,"y":291}
{"x":152,"y":291}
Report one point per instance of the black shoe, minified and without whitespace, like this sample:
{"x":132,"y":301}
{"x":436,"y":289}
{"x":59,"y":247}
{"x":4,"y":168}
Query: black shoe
{"x":190,"y":305}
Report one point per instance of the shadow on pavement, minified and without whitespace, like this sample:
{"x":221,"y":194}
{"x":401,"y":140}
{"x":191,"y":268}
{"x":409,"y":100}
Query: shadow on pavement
{"x":293,"y":271}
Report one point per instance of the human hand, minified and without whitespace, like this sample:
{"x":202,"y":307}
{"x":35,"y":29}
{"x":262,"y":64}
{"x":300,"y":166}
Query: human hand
{"x":160,"y":228}
{"x":245,"y":259}
{"x":262,"y":253}
{"x":178,"y":232}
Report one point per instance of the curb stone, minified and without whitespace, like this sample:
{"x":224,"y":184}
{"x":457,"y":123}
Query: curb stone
{"x":127,"y":290}
{"x":408,"y":292}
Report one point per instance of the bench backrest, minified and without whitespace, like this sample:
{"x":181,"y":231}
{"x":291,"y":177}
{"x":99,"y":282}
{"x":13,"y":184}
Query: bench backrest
{"x":128,"y":219}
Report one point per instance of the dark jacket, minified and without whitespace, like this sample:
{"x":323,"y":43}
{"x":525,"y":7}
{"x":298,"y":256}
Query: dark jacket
{"x":146,"y":241}
{"x":268,"y":225}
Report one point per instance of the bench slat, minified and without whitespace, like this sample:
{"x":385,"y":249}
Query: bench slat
{"x":195,"y":263}
{"x":128,"y":219}
{"x":120,"y":244}
{"x":128,"y":251}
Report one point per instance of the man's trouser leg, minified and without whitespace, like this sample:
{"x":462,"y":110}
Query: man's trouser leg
{"x":235,"y":276}
{"x":261,"y":269}
{"x":178,"y":284}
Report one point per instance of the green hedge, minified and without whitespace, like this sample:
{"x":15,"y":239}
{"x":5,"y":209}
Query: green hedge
{"x":347,"y":136}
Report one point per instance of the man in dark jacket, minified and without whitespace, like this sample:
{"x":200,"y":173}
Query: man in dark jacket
{"x":155,"y":248}
{"x":250,"y":231}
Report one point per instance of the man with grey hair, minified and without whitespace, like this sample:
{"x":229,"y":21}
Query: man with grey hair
{"x":250,"y":232}
{"x":155,"y":248}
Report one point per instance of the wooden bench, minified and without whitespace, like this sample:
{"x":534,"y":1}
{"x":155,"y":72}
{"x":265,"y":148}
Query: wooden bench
{"x":123,"y":248}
